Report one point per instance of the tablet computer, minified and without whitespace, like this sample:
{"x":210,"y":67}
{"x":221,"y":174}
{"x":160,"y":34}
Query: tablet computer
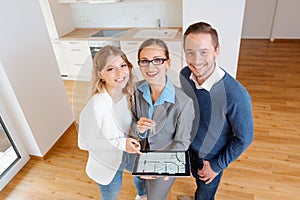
{"x":162,"y":163}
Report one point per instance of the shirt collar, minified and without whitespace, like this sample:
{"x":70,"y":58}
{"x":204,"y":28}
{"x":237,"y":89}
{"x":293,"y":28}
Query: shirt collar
{"x":217,"y":75}
{"x":167,"y":95}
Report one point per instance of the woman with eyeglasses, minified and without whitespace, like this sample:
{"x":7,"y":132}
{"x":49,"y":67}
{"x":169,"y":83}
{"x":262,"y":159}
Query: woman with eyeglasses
{"x":162,"y":114}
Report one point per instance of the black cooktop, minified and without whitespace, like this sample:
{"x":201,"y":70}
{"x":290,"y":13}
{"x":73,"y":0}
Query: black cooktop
{"x":109,"y":33}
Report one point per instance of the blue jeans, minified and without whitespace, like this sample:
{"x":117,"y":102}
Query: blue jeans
{"x":111,"y":191}
{"x":207,"y":191}
{"x":204,"y":191}
{"x":140,"y":185}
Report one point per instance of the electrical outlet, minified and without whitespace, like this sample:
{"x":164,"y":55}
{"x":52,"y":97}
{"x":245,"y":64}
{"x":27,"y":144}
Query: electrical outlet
{"x":135,"y":17}
{"x":85,"y":19}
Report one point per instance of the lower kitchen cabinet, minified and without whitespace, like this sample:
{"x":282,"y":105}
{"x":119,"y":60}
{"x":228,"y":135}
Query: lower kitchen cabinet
{"x":130,"y":48}
{"x":77,"y":60}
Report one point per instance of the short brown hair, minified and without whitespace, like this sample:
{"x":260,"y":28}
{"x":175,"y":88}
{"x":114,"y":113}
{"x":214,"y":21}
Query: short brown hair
{"x":202,"y":27}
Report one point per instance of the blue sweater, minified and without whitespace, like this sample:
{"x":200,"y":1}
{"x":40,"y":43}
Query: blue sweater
{"x":225,"y":127}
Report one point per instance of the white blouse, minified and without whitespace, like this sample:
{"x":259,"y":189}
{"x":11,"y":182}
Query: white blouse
{"x":103,"y":126}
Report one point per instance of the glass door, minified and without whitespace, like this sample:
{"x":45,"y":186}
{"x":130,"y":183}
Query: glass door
{"x":12,"y":155}
{"x":8,"y":151}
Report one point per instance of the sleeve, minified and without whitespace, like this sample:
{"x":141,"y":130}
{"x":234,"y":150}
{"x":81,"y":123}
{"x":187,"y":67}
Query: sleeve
{"x":90,"y":136}
{"x":135,"y":111}
{"x":241,"y":121}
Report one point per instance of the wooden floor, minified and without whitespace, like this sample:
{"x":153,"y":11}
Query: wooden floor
{"x":268,"y":170}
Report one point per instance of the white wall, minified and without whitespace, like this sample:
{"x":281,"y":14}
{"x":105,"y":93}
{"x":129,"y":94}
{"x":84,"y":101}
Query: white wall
{"x":287,"y":20}
{"x":271,"y":19}
{"x":129,"y":13}
{"x":227,"y":18}
{"x":258,"y":18}
{"x":29,"y":62}
{"x":11,"y":111}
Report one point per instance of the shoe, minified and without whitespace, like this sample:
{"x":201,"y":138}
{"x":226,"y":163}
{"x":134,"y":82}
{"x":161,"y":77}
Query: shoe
{"x":140,"y":198}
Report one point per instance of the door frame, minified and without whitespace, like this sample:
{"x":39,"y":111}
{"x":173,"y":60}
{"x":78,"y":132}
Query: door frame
{"x":18,"y":164}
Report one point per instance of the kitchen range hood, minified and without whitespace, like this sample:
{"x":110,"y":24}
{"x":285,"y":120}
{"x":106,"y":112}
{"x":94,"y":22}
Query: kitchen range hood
{"x":104,"y":1}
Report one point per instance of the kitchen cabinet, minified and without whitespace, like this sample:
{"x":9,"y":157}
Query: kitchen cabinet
{"x":130,"y":48}
{"x":72,"y":1}
{"x":58,"y":19}
{"x":77,"y":59}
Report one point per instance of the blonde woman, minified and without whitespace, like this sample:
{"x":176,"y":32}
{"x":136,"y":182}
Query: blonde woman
{"x":105,"y":121}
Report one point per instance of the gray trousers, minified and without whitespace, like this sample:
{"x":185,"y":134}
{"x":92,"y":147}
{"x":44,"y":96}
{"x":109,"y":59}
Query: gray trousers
{"x":158,"y":189}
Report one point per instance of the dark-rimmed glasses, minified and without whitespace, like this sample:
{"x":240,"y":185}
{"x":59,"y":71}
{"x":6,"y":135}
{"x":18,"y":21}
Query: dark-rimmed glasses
{"x":155,"y":61}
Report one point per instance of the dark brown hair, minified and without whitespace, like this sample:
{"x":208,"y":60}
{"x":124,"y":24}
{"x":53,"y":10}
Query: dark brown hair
{"x":154,"y":41}
{"x":202,"y":27}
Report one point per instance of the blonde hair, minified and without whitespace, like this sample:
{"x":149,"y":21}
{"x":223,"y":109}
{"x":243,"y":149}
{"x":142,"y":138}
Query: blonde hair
{"x":99,"y":63}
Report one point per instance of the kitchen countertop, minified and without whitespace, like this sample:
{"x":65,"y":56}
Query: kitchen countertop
{"x":85,"y":34}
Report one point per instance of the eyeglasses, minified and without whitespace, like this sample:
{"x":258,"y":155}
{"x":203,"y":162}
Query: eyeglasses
{"x":156,"y":61}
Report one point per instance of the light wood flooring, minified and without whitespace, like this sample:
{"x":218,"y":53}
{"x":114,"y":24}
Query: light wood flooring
{"x":268,"y":170}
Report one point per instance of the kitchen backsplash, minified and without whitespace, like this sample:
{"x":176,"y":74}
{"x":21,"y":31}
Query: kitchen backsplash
{"x":129,"y":13}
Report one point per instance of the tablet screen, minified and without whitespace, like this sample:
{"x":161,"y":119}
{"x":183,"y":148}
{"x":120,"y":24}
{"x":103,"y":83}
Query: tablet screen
{"x":162,"y":163}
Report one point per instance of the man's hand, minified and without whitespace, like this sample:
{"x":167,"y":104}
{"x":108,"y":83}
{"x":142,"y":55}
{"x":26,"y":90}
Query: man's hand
{"x":206,"y":174}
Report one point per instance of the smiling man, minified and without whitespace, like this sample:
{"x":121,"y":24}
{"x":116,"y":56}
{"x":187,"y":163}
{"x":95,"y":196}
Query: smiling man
{"x":225,"y":125}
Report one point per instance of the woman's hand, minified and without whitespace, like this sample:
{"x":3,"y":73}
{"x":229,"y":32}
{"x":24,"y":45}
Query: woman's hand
{"x":166,"y":178}
{"x":149,"y":177}
{"x":144,"y":124}
{"x":133,"y":146}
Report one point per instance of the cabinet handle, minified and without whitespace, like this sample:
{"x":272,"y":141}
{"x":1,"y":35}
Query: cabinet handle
{"x":73,"y":42}
{"x":132,"y":43}
{"x":75,"y":49}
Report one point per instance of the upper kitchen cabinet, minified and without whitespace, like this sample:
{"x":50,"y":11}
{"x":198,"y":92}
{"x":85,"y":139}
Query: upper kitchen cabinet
{"x":58,"y":18}
{"x":227,"y":18}
{"x":89,"y":1}
{"x":72,"y":1}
